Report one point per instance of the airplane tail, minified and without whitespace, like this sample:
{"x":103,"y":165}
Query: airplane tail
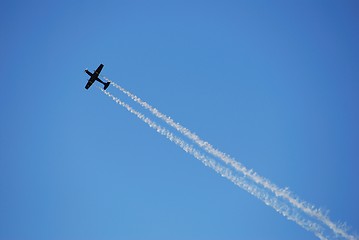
{"x":106,"y":85}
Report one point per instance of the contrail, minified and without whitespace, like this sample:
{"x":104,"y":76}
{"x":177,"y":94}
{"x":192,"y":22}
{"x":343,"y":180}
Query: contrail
{"x":272,"y":201}
{"x":284,"y":193}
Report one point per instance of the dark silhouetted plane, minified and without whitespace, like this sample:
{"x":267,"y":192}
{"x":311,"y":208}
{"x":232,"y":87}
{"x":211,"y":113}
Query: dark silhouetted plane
{"x":94,"y":77}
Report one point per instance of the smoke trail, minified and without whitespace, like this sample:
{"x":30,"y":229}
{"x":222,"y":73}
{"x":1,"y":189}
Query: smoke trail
{"x":280,"y":207}
{"x":284,"y":193}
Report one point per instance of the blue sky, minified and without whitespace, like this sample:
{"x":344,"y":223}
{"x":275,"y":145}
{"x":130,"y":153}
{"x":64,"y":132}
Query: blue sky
{"x":275,"y":85}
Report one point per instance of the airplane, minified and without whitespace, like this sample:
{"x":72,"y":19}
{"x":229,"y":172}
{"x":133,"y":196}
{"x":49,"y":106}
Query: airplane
{"x":94,"y":77}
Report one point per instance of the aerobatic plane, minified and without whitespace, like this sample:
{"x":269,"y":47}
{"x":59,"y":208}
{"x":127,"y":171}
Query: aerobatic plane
{"x":94,"y":77}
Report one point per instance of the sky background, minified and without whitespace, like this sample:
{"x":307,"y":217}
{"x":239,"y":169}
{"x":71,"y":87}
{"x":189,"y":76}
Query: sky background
{"x":274,"y":84}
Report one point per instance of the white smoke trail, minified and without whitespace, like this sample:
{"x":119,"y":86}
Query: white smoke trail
{"x":284,"y":193}
{"x":280,"y":207}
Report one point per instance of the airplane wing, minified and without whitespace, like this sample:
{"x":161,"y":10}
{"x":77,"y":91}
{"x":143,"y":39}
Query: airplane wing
{"x":98,"y":70}
{"x":89,"y":83}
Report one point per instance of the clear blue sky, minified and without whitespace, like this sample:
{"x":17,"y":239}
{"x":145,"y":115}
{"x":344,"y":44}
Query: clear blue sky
{"x":275,"y":85}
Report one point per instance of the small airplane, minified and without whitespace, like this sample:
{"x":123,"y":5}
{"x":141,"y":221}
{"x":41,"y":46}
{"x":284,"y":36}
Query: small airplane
{"x":94,"y":77}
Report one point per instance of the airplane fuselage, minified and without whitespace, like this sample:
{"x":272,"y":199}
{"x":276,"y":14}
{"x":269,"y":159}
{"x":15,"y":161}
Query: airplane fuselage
{"x":89,"y":73}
